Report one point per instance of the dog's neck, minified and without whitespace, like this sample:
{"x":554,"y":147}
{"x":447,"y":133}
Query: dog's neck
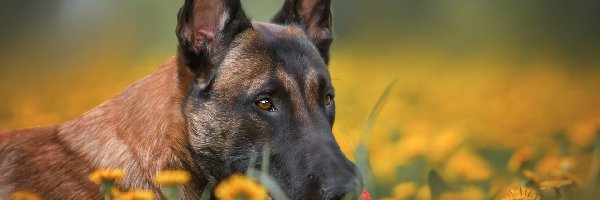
{"x":141,"y":131}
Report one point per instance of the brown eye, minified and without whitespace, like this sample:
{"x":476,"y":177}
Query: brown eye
{"x":328,"y":100}
{"x":265,"y":104}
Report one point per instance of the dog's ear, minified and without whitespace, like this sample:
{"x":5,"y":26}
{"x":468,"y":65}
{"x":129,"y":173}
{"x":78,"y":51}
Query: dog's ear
{"x":314,"y":16}
{"x":205,"y":30}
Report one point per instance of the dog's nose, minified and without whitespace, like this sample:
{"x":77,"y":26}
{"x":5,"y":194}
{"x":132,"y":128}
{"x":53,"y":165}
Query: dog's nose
{"x":334,"y":193}
{"x":339,"y":192}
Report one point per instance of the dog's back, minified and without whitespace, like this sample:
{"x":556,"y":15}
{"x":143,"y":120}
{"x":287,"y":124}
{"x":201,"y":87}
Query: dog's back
{"x":38,"y":157}
{"x":138,"y":129}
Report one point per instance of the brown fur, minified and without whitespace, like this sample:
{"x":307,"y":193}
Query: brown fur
{"x":140,"y":131}
{"x":197,"y":112}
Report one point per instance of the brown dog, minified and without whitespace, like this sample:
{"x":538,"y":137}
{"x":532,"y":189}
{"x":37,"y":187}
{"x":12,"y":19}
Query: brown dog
{"x":234,"y":87}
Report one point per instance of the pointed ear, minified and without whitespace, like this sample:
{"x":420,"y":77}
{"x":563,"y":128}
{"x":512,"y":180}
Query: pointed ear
{"x":206,"y":28}
{"x":314,"y":16}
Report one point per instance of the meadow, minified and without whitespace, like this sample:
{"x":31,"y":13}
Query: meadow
{"x":484,"y":98}
{"x":483,"y":129}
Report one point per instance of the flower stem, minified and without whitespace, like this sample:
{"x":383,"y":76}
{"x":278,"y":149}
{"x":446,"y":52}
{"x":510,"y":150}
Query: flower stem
{"x":105,"y":188}
{"x":172,"y":192}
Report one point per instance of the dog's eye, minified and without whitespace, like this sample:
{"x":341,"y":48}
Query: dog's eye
{"x":328,"y":99}
{"x":265,"y":104}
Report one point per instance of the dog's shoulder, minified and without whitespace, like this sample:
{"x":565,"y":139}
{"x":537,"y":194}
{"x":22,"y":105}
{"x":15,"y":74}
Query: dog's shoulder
{"x":16,"y":138}
{"x":15,"y":145}
{"x":36,"y":160}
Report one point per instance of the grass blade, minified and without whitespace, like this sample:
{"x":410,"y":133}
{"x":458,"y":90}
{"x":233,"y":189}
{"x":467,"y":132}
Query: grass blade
{"x":268,"y":182}
{"x":207,"y":192}
{"x":265,"y":160}
{"x":437,"y":185}
{"x":375,"y":112}
{"x":362,"y":151}
{"x":251,"y":164}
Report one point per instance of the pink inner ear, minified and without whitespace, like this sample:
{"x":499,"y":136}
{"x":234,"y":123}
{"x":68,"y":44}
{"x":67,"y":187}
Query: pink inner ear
{"x":310,"y":5}
{"x":206,"y":18}
{"x":202,"y":37}
{"x":208,"y":36}
{"x":312,"y":13}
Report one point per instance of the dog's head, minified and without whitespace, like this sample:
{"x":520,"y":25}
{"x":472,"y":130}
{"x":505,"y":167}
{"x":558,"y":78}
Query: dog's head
{"x":264,"y":85}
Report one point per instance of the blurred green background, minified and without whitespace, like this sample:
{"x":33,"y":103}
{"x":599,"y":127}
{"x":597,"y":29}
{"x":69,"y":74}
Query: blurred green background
{"x":485,"y":91}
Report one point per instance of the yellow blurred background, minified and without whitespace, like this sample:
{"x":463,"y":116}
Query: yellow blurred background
{"x":486,"y":92}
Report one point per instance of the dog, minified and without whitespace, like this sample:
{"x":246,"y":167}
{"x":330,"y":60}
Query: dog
{"x":232,"y":88}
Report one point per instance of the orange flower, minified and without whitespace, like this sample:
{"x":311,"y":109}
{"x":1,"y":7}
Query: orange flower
{"x":102,"y":175}
{"x":520,"y":193}
{"x":172,"y":177}
{"x":239,"y":186}
{"x":566,"y":175}
{"x":405,"y":190}
{"x":532,"y":176}
{"x":518,"y":159}
{"x":135,"y":195}
{"x":24,"y":195}
{"x":555,"y":184}
{"x":465,"y":165}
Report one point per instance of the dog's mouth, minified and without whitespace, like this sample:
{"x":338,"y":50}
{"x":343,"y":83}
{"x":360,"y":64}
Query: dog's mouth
{"x":363,"y":196}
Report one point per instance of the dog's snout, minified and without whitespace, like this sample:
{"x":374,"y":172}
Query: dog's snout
{"x":342,"y":184}
{"x":342,"y":191}
{"x":333,"y":174}
{"x":336,"y":181}
{"x":334,"y":193}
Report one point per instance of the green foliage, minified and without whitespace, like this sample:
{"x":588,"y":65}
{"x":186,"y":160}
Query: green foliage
{"x":437,"y":185}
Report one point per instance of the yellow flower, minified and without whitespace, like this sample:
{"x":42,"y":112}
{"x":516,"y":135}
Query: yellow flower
{"x":469,"y":193}
{"x":405,"y":190}
{"x":24,"y":195}
{"x":452,"y":196}
{"x":567,"y":163}
{"x":520,"y":193}
{"x":116,"y":192}
{"x":473,"y":193}
{"x":555,"y":184}
{"x":135,"y":195}
{"x":424,"y":193}
{"x":558,"y":174}
{"x":584,"y":134}
{"x":531,"y":176}
{"x":102,"y":175}
{"x":518,"y":159}
{"x":465,"y":165}
{"x":548,"y":164}
{"x":172,"y":177}
{"x":443,"y":144}
{"x":237,"y":186}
